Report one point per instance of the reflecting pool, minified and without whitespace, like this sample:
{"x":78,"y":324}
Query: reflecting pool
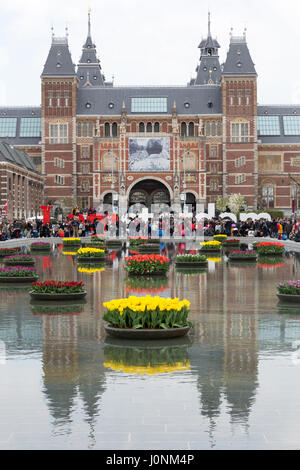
{"x":234,"y":383}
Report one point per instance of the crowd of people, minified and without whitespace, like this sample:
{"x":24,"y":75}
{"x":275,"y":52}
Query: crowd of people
{"x":83,"y":225}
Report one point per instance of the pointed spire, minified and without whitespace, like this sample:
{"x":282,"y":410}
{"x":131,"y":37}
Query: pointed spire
{"x":89,"y":23}
{"x":209,"y":31}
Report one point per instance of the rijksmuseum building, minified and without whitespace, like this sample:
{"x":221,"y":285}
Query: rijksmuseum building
{"x":97,"y":143}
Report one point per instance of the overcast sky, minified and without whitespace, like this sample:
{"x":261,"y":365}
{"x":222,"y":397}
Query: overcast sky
{"x":149,"y":42}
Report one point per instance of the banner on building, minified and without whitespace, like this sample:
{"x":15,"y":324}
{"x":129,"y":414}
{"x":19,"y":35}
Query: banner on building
{"x":149,"y":155}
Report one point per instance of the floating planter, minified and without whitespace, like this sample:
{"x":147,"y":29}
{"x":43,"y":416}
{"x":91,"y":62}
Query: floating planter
{"x":242,"y":256}
{"x":54,"y":290}
{"x":71,"y":242}
{"x":91,"y":255}
{"x":147,"y":317}
{"x":9,"y":251}
{"x":193,"y":261}
{"x":231,"y":244}
{"x":147,"y":360}
{"x":19,"y":260}
{"x":40,"y":246}
{"x":147,"y":265}
{"x":270,"y":249}
{"x":211,"y":247}
{"x":69,"y":253}
{"x":220,"y":238}
{"x":289,"y":291}
{"x":18,"y":274}
{"x":136,"y":242}
{"x":150,"y":248}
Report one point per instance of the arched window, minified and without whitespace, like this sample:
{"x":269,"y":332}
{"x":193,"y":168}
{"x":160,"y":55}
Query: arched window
{"x":183,"y":129}
{"x":142,"y":127}
{"x":207,"y":128}
{"x":79,"y":129}
{"x":191,"y":129}
{"x":85,"y":129}
{"x":107,"y":129}
{"x":268,"y":195}
{"x":91,"y":129}
{"x":156,"y":127}
{"x":149,"y":127}
{"x":115,"y":129}
{"x":219,"y":128}
{"x":213,"y":128}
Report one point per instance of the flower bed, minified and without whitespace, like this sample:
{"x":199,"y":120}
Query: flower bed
{"x":91,"y":255}
{"x":214,"y":246}
{"x":289,"y":291}
{"x":139,"y":241}
{"x":220,"y":238}
{"x":270,"y":248}
{"x":71,"y":241}
{"x":96,"y":241}
{"x":69,"y":253}
{"x":114,"y":244}
{"x":191,"y":260}
{"x":242,"y":256}
{"x":19,"y":261}
{"x":147,"y":313}
{"x":58,"y":290}
{"x":9,"y":252}
{"x":145,"y":265}
{"x":40,"y":246}
{"x":18,"y":274}
{"x":147,"y":361}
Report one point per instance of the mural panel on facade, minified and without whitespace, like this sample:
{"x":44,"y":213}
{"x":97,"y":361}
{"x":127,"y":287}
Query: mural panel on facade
{"x":148,"y":155}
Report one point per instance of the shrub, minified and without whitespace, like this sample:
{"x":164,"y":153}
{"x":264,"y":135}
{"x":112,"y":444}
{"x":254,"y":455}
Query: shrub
{"x":147,"y":313}
{"x":147,"y":264}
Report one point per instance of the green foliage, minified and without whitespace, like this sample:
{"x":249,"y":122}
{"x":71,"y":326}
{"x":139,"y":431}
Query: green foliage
{"x":270,"y":250}
{"x":191,"y":259}
{"x":153,"y":319}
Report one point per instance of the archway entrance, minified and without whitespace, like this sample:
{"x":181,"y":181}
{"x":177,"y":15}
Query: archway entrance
{"x":148,"y":192}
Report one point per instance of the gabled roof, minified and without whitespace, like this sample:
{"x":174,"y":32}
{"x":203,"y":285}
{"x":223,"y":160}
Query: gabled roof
{"x":238,"y":60}
{"x":12,"y":155}
{"x":59,"y":61}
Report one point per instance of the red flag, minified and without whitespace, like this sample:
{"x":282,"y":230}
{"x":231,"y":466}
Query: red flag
{"x":6,"y":207}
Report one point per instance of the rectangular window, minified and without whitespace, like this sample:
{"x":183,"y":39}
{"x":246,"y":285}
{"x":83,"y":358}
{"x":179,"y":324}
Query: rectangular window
{"x":239,"y":179}
{"x":31,"y":127}
{"x":248,"y":95}
{"x":268,"y":125}
{"x":85,"y":168}
{"x":58,"y":98}
{"x":241,"y":161}
{"x":85,"y":152}
{"x":58,"y":133}
{"x":85,"y":186}
{"x":149,"y":105}
{"x":59,"y":163}
{"x":59,"y":179}
{"x":50,"y":98}
{"x":291,"y":125}
{"x":91,"y":129}
{"x":240,"y":94}
{"x":66,"y":99}
{"x":8,"y":127}
{"x":240,"y":132}
{"x":213,"y":151}
{"x":231,"y":97}
{"x":214,"y":185}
